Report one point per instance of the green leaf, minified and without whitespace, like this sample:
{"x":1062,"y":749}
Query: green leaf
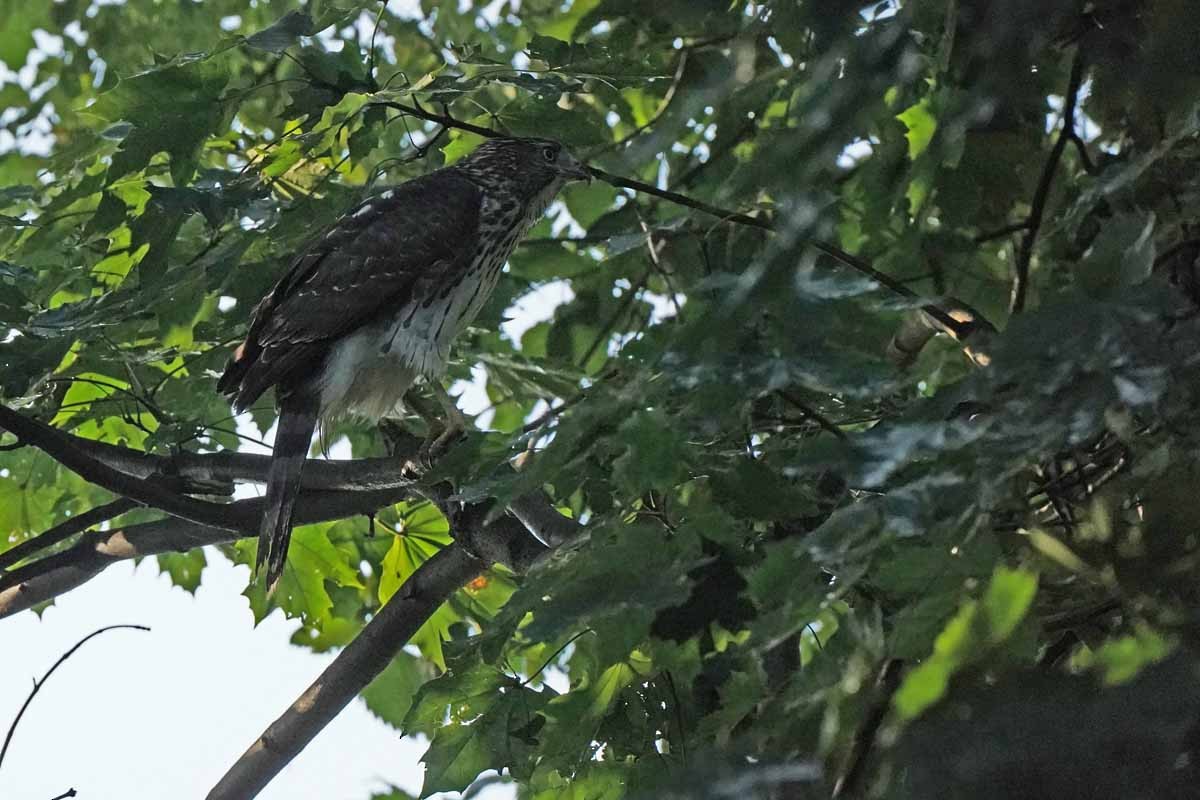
{"x":921,"y":126}
{"x":421,"y":532}
{"x":1121,"y":256}
{"x":390,"y":696}
{"x":504,"y":736}
{"x":1007,"y":601}
{"x":656,"y":456}
{"x":312,"y":560}
{"x":1123,"y":659}
{"x":184,"y":569}
{"x":16,"y":37}
{"x":463,"y":694}
{"x":172,"y":107}
{"x":86,"y":388}
{"x":285,"y":32}
{"x":968,"y":637}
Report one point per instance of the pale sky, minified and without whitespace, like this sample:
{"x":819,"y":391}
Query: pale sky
{"x":163,"y":714}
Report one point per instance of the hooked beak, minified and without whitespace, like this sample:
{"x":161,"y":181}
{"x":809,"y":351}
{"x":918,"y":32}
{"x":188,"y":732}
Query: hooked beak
{"x":574,"y":169}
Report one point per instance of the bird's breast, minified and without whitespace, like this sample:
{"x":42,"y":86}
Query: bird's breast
{"x":370,"y":369}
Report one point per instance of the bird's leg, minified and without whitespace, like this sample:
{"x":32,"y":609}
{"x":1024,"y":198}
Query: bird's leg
{"x":454,"y":425}
{"x":442,"y":432}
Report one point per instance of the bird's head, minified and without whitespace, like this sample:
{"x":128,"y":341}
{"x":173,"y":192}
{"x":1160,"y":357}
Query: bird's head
{"x":532,"y":168}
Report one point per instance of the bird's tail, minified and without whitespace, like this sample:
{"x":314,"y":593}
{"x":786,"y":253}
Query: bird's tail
{"x":297,"y":419}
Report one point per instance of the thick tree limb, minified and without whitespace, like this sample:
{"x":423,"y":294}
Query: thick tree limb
{"x":44,"y":580}
{"x":208,"y":470}
{"x":540,"y":518}
{"x":333,"y":490}
{"x":475,"y":546}
{"x":152,"y":490}
{"x":478,"y":543}
{"x":65,"y":530}
{"x":355,"y":667}
{"x":38,"y":684}
{"x":918,"y":327}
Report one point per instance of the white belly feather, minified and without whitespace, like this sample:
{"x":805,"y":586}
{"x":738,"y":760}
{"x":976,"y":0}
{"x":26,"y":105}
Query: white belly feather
{"x":369,"y":371}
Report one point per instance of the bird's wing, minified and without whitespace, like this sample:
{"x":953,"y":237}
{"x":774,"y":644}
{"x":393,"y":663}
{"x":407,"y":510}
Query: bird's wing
{"x":403,"y":243}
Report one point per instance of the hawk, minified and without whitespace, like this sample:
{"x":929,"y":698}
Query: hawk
{"x":374,"y":302}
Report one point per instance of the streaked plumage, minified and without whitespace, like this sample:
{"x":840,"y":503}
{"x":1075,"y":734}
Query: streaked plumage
{"x":376,"y":300}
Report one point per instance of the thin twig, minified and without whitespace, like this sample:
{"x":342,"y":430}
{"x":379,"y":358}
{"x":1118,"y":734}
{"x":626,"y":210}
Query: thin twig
{"x":37,"y":685}
{"x":814,"y":415}
{"x":657,"y":262}
{"x":1000,"y":233}
{"x":375,"y":32}
{"x":68,"y":793}
{"x":664,"y":104}
{"x":607,"y":328}
{"x":551,"y":413}
{"x":1037,"y":208}
{"x":1081,"y":148}
{"x":555,"y":655}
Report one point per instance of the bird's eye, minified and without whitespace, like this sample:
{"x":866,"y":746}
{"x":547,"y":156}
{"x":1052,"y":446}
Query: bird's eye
{"x":550,"y":154}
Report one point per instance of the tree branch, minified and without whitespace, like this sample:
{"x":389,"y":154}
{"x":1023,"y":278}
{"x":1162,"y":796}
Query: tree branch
{"x":210,"y":471}
{"x":65,"y":530}
{"x":331,"y":490}
{"x":1000,"y":233}
{"x":37,"y":685}
{"x":1037,"y":208}
{"x":476,"y":544}
{"x":151,"y":491}
{"x":43,"y":580}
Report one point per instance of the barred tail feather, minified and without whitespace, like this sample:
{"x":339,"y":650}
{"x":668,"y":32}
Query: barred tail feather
{"x":297,"y":419}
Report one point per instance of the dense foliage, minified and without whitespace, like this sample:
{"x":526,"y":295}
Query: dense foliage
{"x":806,"y":562}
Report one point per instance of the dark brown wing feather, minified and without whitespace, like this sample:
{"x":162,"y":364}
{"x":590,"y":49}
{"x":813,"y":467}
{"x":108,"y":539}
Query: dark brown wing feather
{"x":389,"y":249}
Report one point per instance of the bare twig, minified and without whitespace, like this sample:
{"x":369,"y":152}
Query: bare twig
{"x":813,"y":414}
{"x":38,"y":684}
{"x":664,"y":104}
{"x":1085,"y":158}
{"x":1037,"y":207}
{"x":68,"y":793}
{"x":1000,"y":233}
